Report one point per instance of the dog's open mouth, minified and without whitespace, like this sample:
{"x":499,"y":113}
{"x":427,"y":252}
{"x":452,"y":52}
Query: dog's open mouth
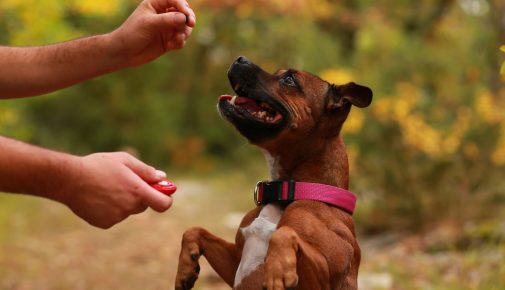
{"x":251,"y":108}
{"x":255,"y":110}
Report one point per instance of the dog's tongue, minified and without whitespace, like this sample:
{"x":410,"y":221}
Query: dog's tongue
{"x":277,"y":118}
{"x":243,"y":102}
{"x":225,"y":97}
{"x":247,"y":103}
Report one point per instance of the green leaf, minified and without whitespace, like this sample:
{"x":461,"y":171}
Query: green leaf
{"x":502,"y":69}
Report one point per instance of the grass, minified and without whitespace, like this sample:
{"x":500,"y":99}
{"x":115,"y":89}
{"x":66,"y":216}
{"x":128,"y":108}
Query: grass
{"x":44,"y":246}
{"x":408,"y":266}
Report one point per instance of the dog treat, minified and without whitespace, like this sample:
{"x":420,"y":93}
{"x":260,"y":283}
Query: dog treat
{"x":165,"y":187}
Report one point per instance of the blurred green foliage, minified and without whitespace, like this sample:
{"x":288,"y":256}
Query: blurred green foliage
{"x":430,"y":147}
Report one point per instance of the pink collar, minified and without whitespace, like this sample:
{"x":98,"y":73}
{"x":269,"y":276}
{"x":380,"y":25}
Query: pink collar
{"x":288,"y":191}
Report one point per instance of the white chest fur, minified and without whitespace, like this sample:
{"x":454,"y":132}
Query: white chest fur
{"x":257,"y":236}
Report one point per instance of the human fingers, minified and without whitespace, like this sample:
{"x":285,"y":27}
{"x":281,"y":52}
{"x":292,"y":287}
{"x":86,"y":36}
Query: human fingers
{"x":139,"y":208}
{"x":102,"y":219}
{"x":171,"y":20}
{"x":190,"y":21}
{"x":162,"y":6}
{"x":187,"y":32}
{"x":177,"y":41}
{"x":144,"y":171}
{"x":153,"y":198}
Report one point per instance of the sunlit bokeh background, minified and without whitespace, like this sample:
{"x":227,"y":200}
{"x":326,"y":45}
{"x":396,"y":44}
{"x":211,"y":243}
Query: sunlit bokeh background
{"x":427,"y":157}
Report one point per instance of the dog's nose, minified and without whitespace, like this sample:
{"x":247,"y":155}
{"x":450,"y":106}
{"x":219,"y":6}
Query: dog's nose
{"x":242,"y":60}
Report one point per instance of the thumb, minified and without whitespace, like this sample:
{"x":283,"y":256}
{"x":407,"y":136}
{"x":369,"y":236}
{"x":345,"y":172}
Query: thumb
{"x":169,"y":20}
{"x":148,"y":173}
{"x":155,"y":199}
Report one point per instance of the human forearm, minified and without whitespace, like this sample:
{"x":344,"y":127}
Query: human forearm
{"x":32,"y":170}
{"x":154,"y":28}
{"x":101,"y":188}
{"x":37,"y":70}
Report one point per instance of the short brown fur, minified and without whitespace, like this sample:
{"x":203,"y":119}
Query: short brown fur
{"x":314,"y":246}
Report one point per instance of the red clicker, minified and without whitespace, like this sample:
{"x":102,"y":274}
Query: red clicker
{"x":165,"y":187}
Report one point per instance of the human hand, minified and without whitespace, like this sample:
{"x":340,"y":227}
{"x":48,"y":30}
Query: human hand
{"x":109,"y":187}
{"x":154,"y":28}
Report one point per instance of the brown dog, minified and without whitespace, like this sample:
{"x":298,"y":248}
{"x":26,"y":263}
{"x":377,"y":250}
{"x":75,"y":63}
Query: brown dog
{"x":285,"y":243}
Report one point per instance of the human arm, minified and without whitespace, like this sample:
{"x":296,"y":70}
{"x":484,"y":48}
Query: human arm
{"x":101,"y":188}
{"x":154,"y":28}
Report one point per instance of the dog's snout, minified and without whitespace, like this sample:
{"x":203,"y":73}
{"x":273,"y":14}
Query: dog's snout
{"x":242,"y":60}
{"x":243,"y":70}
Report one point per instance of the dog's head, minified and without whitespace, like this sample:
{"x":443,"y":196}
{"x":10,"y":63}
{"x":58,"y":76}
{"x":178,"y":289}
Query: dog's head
{"x":268,"y":108}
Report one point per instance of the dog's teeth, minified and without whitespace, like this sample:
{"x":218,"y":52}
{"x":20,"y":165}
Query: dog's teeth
{"x":232,"y":101}
{"x":262,"y":115}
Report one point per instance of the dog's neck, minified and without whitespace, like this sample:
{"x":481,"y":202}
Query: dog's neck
{"x":325,"y":164}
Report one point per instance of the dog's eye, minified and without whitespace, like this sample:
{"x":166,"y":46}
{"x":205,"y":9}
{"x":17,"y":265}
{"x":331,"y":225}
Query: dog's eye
{"x":289,"y":80}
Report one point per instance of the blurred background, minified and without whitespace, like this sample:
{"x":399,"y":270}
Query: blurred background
{"x":427,"y":157}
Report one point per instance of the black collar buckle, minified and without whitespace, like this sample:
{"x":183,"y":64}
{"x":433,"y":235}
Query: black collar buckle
{"x":272,"y":191}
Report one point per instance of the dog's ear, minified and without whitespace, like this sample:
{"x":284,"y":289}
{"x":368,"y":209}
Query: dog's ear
{"x":358,"y":95}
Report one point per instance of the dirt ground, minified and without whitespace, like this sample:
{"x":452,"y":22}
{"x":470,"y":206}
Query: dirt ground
{"x":44,"y":246}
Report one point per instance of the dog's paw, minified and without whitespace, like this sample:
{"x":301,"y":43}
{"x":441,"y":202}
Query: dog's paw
{"x":188,"y":270}
{"x":280,"y":264}
{"x":280,"y":275}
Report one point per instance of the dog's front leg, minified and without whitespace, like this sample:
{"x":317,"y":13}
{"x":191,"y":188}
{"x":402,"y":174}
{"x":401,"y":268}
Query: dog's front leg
{"x":222,"y":256}
{"x":287,"y":252}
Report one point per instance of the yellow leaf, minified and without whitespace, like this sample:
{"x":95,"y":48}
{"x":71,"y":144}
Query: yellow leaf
{"x":95,"y":7}
{"x":354,"y":122}
{"x":337,"y":76}
{"x":502,"y":48}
